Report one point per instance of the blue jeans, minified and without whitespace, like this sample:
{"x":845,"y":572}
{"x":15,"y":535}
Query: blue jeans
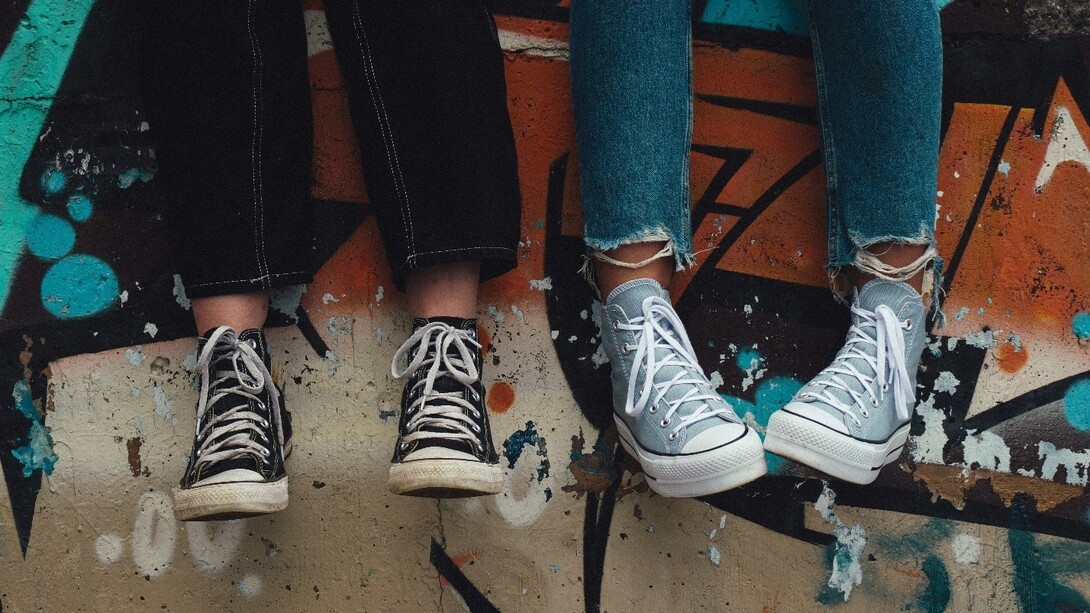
{"x":879,"y":84}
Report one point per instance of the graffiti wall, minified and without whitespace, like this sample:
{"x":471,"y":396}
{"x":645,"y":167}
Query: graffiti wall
{"x":986,"y":510}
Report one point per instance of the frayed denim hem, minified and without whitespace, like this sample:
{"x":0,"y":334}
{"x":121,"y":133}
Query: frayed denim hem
{"x":864,"y":260}
{"x":596,"y":248}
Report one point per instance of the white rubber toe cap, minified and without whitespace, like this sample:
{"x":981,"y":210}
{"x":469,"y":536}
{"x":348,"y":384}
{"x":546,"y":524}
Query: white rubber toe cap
{"x":813,"y":413}
{"x":720,"y":434}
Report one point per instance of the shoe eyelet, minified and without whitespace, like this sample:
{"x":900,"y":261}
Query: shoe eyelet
{"x":616,"y":324}
{"x":473,"y":394}
{"x":625,"y":349}
{"x":652,"y":409}
{"x":908,"y":324}
{"x":857,"y":423}
{"x":874,"y":401}
{"x":865,"y":413}
{"x":664,"y":423}
{"x":265,"y":452}
{"x":885,"y":387}
{"x":475,"y":428}
{"x":252,"y":343}
{"x":672,"y":436}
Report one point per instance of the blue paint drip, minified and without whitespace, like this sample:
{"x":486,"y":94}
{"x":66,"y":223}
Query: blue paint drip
{"x":749,"y":358}
{"x":38,"y":453}
{"x":53,"y":181}
{"x":514,"y":445}
{"x":1080,"y":325}
{"x":79,"y":286}
{"x":50,"y":237}
{"x":548,"y":494}
{"x":80,"y":207}
{"x":1077,"y":405}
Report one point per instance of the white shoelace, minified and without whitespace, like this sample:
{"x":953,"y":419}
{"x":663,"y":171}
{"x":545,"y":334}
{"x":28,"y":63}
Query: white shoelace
{"x":231,"y":434}
{"x":888,"y":366}
{"x":443,"y":413}
{"x":660,"y":328}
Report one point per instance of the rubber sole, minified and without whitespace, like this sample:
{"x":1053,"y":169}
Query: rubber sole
{"x":445,"y":478}
{"x":230,"y":500}
{"x":699,"y":474}
{"x":835,"y":454}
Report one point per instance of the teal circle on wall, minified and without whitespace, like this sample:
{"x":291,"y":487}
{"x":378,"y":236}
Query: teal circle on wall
{"x":50,"y":237}
{"x":79,"y":285}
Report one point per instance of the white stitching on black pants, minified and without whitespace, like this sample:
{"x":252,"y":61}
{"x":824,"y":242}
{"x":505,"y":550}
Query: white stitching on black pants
{"x":384,"y":126}
{"x":256,"y":152}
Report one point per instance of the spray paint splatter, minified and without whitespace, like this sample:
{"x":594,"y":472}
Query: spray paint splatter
{"x":946,"y":382}
{"x":380,"y":293}
{"x":984,"y":339}
{"x":541,"y":284}
{"x":179,"y":293}
{"x":966,"y":548}
{"x":135,"y":355}
{"x":162,"y":405}
{"x":846,"y":552}
{"x":714,"y":555}
{"x":285,"y":300}
{"x":151,"y":329}
{"x":38,"y":453}
{"x":514,"y":445}
{"x":962,"y":313}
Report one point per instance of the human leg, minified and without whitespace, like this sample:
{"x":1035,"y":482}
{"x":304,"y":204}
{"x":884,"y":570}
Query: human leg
{"x":428,"y":101}
{"x":879,"y":93}
{"x":233,"y":147}
{"x":633,"y":112}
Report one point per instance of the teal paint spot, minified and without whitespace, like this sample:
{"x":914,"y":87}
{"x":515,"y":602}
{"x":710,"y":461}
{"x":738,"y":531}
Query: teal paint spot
{"x":31,"y":68}
{"x":943,"y":4}
{"x":1080,"y":325}
{"x":53,"y":181}
{"x":79,"y":286}
{"x":829,"y":595}
{"x":749,"y":358}
{"x":38,"y":453}
{"x":50,"y":237}
{"x":126,"y":179}
{"x":936,"y":596}
{"x":24,"y":403}
{"x":1035,"y":581}
{"x":513,"y":446}
{"x":775,"y":15}
{"x":80,"y":207}
{"x":772,"y":394}
{"x":1077,"y":404}
{"x":1005,"y":168}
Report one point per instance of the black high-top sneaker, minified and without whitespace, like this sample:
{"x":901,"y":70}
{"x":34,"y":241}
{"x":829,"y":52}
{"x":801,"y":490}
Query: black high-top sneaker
{"x":243,"y":434}
{"x":444,"y":446}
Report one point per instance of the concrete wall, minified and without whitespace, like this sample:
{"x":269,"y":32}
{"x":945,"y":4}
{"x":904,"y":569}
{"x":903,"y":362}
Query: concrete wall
{"x":986,"y":511}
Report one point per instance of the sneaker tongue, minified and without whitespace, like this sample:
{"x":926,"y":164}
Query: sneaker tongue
{"x":892,"y":294}
{"x":629,"y":296}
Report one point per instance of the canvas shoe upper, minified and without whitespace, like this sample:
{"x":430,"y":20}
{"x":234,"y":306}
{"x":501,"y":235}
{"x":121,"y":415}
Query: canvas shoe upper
{"x":688,"y":439}
{"x":236,"y":467}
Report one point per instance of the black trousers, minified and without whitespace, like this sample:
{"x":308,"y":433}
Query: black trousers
{"x":229,"y":102}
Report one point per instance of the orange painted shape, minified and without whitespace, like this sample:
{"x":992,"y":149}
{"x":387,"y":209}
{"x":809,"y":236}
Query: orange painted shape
{"x":1025,"y":263}
{"x":500,"y":397}
{"x":1010,"y":358}
{"x":787,"y":242}
{"x":460,"y":560}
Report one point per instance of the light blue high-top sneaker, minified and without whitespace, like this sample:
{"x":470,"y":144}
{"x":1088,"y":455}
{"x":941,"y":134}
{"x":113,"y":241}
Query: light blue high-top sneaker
{"x":853,"y":418}
{"x":685,"y":436}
